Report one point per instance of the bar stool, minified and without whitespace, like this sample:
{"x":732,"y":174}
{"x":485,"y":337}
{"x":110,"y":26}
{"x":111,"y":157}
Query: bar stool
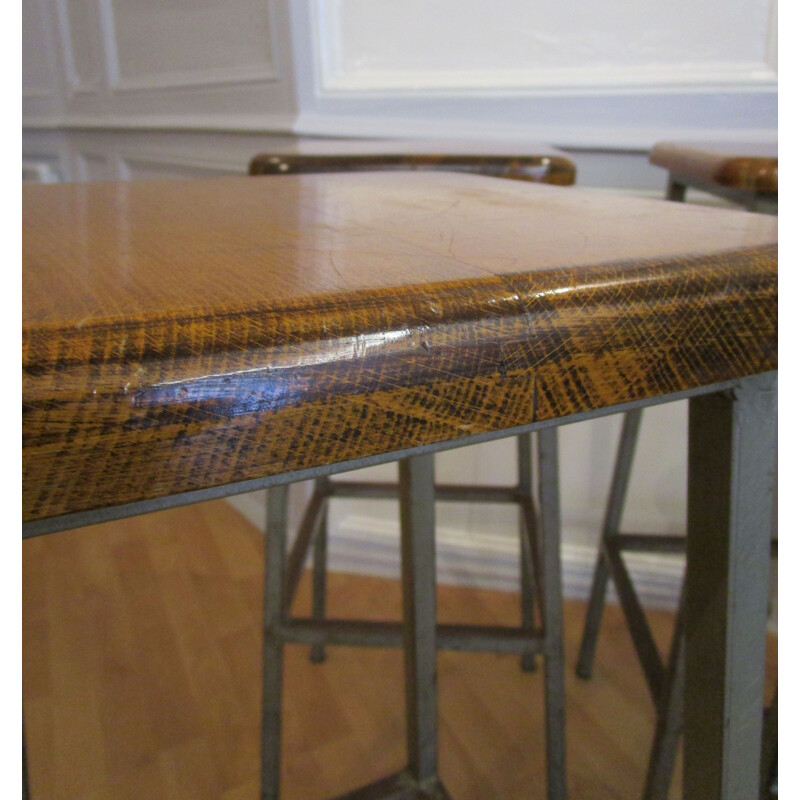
{"x":540,"y":580}
{"x":747,"y":174}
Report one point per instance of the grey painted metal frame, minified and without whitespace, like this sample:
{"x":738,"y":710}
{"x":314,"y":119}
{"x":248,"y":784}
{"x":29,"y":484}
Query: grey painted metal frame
{"x":272,"y":663}
{"x":419,"y":634}
{"x":669,"y":719}
{"x":731,"y":458}
{"x":665,"y":681}
{"x":555,"y":694}
{"x":769,"y":751}
{"x":313,"y":531}
{"x":417,"y":521}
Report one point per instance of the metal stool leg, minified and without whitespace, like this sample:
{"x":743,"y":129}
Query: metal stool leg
{"x":611,"y":524}
{"x":275,"y":553}
{"x":420,"y":779}
{"x":320,"y":567}
{"x":669,"y":721}
{"x":528,"y":538}
{"x":676,"y":191}
{"x":419,"y":617}
{"x":553,"y":615}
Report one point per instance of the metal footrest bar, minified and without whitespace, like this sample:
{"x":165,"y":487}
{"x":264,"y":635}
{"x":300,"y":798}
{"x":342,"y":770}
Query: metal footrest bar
{"x":400,"y":786}
{"x":650,"y":543}
{"x":457,"y":493}
{"x":308,"y":532}
{"x":313,"y":532}
{"x":463,"y":638}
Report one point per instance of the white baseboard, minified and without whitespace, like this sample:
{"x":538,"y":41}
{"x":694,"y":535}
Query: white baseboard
{"x":366,"y":545}
{"x":369,"y":545}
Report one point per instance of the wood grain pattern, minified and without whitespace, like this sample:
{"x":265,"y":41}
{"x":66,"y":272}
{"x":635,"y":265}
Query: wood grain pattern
{"x":744,"y":166}
{"x":525,"y":161}
{"x":178,"y":336}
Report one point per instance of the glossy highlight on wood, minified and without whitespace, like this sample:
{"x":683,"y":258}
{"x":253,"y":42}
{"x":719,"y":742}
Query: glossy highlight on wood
{"x":525,"y":161}
{"x":184,"y":335}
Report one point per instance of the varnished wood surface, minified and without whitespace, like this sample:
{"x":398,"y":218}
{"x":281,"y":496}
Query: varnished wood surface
{"x":745,"y":166}
{"x":521,"y":160}
{"x":141,"y":679}
{"x":178,"y":336}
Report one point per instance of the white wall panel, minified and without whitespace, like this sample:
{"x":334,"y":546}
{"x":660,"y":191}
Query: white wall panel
{"x":38,"y":75}
{"x":468,"y":44}
{"x":41,"y":77}
{"x":577,"y":74}
{"x":137,"y":64}
{"x":83,"y":45}
{"x":182,"y":42}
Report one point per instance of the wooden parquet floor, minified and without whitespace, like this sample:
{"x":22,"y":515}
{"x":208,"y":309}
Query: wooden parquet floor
{"x":141,"y":653}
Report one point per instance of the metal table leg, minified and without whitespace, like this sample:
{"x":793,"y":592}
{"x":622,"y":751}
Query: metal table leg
{"x":275,"y":555}
{"x":731,"y":441}
{"x":555,"y":694}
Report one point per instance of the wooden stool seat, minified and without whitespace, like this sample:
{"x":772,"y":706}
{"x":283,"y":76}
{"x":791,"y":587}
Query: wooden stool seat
{"x":528,"y":161}
{"x":744,"y":172}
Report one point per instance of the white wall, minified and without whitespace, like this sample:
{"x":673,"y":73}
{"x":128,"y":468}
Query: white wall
{"x":615,"y":74}
{"x":128,"y":89}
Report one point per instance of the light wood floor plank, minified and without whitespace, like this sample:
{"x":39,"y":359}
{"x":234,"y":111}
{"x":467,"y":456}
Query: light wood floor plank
{"x":141,"y":658}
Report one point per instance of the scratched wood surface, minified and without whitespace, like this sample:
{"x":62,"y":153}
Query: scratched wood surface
{"x":746,"y":166}
{"x":520,"y":160}
{"x":178,"y":336}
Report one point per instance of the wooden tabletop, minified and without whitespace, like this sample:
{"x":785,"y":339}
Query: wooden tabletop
{"x":523,"y":160}
{"x":184,"y":335}
{"x":744,"y":166}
